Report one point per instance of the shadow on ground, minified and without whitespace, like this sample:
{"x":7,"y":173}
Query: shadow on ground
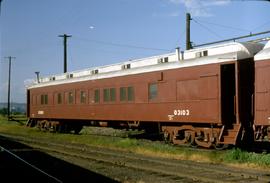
{"x":14,"y":170}
{"x":260,"y":147}
{"x":147,"y":136}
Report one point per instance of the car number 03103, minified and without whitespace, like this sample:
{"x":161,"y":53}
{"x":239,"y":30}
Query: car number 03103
{"x":181,"y":112}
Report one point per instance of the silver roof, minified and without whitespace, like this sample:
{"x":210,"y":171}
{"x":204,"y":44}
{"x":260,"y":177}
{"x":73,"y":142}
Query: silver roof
{"x":264,"y":53}
{"x":200,"y":56}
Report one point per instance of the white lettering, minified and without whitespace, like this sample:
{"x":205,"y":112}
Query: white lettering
{"x":181,"y":112}
{"x":170,"y":117}
{"x":40,"y":112}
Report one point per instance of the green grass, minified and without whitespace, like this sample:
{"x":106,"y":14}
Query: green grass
{"x":234,"y":156}
{"x":239,"y":156}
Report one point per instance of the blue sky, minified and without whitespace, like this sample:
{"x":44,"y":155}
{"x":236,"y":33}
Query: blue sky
{"x":110,"y":31}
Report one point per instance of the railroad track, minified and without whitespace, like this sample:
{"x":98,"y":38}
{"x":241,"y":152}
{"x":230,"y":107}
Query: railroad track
{"x":159,"y":168}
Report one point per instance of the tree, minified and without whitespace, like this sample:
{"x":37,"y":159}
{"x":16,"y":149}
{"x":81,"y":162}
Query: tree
{"x":4,"y":111}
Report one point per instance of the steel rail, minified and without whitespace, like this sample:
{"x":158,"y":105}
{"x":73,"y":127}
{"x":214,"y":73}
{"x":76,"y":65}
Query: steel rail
{"x":29,"y":164}
{"x":127,"y":160}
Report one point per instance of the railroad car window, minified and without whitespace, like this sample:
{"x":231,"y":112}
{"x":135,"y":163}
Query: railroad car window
{"x":127,"y":93}
{"x":109,"y":95}
{"x":112,"y":94}
{"x":123,"y":94}
{"x":59,"y":98}
{"x":44,"y":99}
{"x":70,"y":97}
{"x":83,"y":97}
{"x":33,"y":100}
{"x":106,"y":95}
{"x":97,"y":96}
{"x":130,"y":93}
{"x":152,"y":91}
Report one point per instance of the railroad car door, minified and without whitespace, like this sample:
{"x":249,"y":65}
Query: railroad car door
{"x":28,"y":104}
{"x":228,"y":94}
{"x":246,"y":90}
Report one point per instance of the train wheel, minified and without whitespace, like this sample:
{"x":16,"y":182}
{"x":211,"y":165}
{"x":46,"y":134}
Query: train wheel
{"x":77,"y":129}
{"x":54,"y":126}
{"x":41,"y":125}
{"x":221,"y":146}
{"x":184,"y":137}
{"x":167,"y":137}
{"x":191,"y":139}
{"x":62,"y":128}
{"x":31,"y":123}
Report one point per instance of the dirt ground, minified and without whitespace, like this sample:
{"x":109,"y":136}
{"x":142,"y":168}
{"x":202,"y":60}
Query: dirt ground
{"x":39,"y":166}
{"x":66,"y":162}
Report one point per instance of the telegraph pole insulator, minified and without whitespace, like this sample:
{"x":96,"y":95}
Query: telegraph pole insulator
{"x":65,"y":36}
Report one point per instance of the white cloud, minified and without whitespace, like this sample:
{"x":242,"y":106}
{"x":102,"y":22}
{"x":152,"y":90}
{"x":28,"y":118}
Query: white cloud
{"x":200,"y":7}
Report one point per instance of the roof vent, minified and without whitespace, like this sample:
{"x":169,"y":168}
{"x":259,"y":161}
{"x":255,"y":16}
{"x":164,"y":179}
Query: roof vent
{"x":52,"y":78}
{"x":126,"y":66}
{"x":70,"y":76}
{"x":198,"y":54}
{"x":201,"y":54}
{"x":166,"y":59}
{"x":163,"y":60}
{"x":205,"y":53}
{"x":94,"y":71}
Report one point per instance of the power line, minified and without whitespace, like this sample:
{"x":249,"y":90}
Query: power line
{"x":180,"y":37}
{"x":217,"y":35}
{"x":234,"y":39}
{"x":120,"y":44}
{"x":225,"y":26}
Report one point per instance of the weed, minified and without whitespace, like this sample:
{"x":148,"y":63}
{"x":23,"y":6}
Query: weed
{"x":152,"y":148}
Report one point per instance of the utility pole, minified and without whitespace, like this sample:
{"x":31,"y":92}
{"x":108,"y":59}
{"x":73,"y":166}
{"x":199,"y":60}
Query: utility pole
{"x":188,"y":43}
{"x":0,"y":6}
{"x":9,"y":79}
{"x":65,"y":36}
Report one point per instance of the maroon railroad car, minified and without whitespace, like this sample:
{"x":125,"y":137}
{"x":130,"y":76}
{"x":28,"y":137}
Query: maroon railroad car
{"x":199,"y":96}
{"x":262,"y":94}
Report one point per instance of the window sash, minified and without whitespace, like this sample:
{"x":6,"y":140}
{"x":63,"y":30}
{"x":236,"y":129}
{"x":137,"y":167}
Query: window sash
{"x":97,"y":96}
{"x":83,"y":97}
{"x":153,"y":91}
